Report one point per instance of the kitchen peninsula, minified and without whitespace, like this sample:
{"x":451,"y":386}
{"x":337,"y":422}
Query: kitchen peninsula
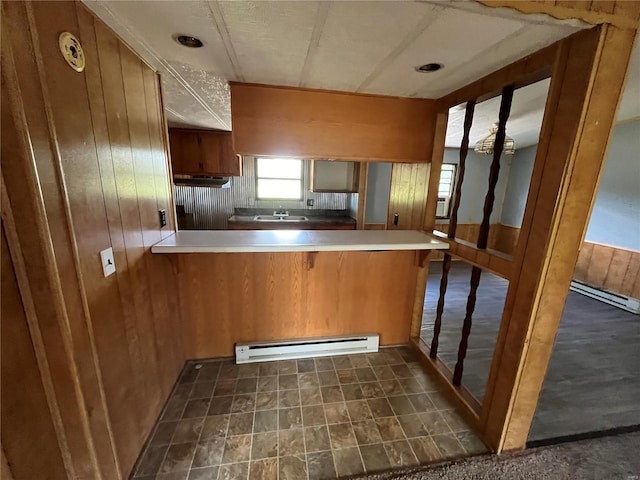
{"x":241,"y":286}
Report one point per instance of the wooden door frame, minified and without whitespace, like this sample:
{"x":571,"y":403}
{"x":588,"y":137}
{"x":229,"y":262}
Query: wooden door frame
{"x":588,"y":71}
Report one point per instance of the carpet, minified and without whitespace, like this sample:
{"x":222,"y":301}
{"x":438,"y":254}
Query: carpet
{"x":615,"y":457}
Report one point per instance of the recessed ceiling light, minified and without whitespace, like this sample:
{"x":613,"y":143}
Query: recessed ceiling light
{"x":429,"y":67}
{"x":189,"y":41}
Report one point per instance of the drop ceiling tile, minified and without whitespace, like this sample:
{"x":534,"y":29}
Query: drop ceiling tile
{"x":270,"y":39}
{"x":454,"y":38}
{"x":522,"y":42}
{"x":353,"y":43}
{"x":151,"y":25}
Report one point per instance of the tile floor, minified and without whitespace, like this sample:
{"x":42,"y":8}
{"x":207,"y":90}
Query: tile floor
{"x":319,"y":418}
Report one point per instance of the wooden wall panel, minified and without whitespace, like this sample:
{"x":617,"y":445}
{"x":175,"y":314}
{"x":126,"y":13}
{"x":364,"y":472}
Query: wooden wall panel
{"x":101,"y":167}
{"x":27,"y":426}
{"x":614,"y":269}
{"x":236,"y":297}
{"x":297,"y":122}
{"x":585,"y":89}
{"x":408,"y":196}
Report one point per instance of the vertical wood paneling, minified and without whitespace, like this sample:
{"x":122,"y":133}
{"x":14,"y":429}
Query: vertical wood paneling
{"x":599,"y":264}
{"x":614,"y":269}
{"x":344,"y":293}
{"x":99,"y":153}
{"x":408,"y":195}
{"x":585,"y":90}
{"x":26,"y":421}
{"x":48,"y":239}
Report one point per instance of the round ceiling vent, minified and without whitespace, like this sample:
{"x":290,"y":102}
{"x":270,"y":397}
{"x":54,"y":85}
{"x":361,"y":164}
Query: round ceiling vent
{"x":71,"y":51}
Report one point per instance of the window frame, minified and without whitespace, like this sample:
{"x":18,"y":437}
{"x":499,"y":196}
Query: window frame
{"x":258,"y":178}
{"x":452,"y":188}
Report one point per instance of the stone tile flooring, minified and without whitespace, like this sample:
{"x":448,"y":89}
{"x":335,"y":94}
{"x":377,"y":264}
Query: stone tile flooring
{"x":319,"y":418}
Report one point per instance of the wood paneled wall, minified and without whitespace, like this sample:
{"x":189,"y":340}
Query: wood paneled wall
{"x":613,"y":269}
{"x":84,"y":162}
{"x":239,"y":297}
{"x":26,"y":420}
{"x":408,"y":195}
{"x":299,"y":122}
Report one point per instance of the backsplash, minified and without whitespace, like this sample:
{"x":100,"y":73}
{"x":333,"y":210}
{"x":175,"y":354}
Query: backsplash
{"x":211,"y":207}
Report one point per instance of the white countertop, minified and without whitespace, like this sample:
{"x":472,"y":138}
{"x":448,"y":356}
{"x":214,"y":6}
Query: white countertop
{"x":220,"y":241}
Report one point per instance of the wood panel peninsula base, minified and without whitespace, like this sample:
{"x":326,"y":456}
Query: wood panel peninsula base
{"x":242,"y":286}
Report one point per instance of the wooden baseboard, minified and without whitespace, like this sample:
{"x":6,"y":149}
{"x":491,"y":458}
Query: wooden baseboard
{"x":375,"y":226}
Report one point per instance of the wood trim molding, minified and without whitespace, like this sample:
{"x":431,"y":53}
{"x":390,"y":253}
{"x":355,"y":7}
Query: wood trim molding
{"x":585,"y":90}
{"x":15,"y":252}
{"x":460,"y":395}
{"x":620,"y":13}
{"x":33,"y":233}
{"x":375,"y":226}
{"x":363,"y":175}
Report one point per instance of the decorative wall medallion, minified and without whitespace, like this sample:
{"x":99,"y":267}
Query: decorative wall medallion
{"x":71,"y":51}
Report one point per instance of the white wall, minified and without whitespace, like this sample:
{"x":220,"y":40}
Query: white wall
{"x":515,"y":197}
{"x":615,"y":219}
{"x":378,"y":189}
{"x":476,"y":184}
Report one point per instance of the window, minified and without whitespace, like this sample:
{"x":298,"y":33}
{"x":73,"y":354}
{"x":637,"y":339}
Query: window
{"x":445,"y":189}
{"x":278,"y":178}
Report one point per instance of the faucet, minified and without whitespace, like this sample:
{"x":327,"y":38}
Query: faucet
{"x":281,"y":213}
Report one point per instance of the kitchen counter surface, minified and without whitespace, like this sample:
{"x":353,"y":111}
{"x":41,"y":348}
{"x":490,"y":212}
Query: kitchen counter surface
{"x":226,"y":241}
{"x":312,"y":219}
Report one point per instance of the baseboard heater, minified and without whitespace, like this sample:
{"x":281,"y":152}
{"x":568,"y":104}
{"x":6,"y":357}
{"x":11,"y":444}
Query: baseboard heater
{"x":626,"y":303}
{"x":306,"y":347}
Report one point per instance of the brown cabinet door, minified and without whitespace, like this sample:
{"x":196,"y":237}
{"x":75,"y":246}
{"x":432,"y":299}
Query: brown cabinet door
{"x":185,"y":152}
{"x":217,"y":154}
{"x":203,"y":152}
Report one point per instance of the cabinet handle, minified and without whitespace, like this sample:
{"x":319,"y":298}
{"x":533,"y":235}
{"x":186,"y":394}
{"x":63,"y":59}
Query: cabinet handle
{"x":395,"y":219}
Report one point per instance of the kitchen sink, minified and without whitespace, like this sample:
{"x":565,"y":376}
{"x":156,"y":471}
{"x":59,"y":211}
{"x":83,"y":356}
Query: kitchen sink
{"x":277,"y":218}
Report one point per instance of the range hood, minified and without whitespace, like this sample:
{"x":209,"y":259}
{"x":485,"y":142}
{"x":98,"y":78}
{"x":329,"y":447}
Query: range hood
{"x":202,"y":181}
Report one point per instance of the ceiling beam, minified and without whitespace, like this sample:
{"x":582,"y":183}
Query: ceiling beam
{"x":620,"y":13}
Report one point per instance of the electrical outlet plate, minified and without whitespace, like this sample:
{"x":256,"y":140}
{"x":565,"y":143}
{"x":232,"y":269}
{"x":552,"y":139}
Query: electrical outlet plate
{"x":108,"y":262}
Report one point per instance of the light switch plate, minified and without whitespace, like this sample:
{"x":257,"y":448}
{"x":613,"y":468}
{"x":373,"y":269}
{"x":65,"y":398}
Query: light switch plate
{"x":108,"y":262}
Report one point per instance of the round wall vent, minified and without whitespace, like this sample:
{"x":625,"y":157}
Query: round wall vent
{"x":71,"y":51}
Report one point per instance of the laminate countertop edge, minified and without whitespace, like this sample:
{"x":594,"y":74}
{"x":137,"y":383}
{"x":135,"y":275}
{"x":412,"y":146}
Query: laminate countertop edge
{"x":253,"y":241}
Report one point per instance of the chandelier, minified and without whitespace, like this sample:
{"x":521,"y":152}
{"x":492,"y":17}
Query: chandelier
{"x":486,"y":144}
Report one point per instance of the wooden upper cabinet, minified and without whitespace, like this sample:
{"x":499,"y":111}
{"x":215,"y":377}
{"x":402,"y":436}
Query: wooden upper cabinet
{"x":303,"y":123}
{"x":203,"y":152}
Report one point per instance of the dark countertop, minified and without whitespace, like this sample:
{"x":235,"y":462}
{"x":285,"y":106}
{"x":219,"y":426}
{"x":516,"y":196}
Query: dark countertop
{"x":313,"y":219}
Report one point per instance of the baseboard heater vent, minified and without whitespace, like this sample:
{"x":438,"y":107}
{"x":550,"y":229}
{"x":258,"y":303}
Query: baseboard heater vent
{"x":306,"y":347}
{"x":626,"y":303}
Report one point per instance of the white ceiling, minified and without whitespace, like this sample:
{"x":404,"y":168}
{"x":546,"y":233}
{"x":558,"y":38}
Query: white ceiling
{"x":356,"y":46}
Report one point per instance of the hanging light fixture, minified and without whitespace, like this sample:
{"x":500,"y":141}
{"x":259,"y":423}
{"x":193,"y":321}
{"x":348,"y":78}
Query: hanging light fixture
{"x":486,"y":144}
